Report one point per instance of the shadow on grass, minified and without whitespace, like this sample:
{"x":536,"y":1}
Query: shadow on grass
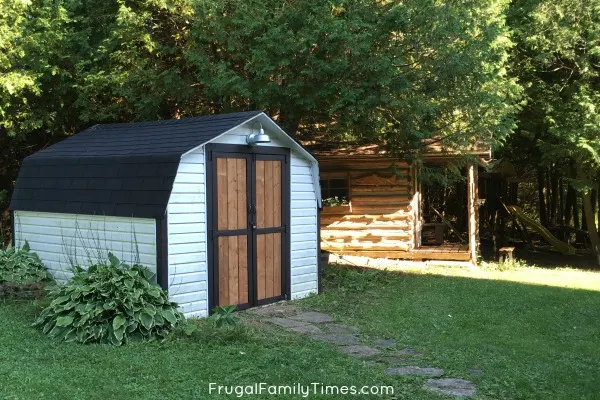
{"x":544,"y":256}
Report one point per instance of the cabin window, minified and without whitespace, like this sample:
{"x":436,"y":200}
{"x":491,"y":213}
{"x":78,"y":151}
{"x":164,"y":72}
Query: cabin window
{"x":335,"y":190}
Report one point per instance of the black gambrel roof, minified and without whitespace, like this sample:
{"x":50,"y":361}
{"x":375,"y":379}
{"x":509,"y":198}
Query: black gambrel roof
{"x":123,"y":170}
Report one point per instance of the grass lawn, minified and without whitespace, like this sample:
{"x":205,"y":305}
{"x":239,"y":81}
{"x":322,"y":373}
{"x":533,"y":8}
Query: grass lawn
{"x":531,"y":340}
{"x":535,"y":333}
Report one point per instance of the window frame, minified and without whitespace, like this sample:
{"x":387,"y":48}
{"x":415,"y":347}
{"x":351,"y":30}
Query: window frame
{"x":329,"y":176}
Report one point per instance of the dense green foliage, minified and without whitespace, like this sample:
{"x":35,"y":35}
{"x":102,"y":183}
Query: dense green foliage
{"x":21,"y":266}
{"x":557,"y":60}
{"x":109,"y":303}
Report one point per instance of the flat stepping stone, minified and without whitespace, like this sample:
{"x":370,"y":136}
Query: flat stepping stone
{"x":276,"y":309}
{"x":451,"y":386}
{"x":313,"y":317}
{"x":386,"y":343}
{"x":341,"y":339}
{"x":411,"y":370}
{"x":340,"y":328}
{"x":360,"y":351}
{"x":285,"y":322}
{"x":311,"y":329}
{"x":475,"y":372}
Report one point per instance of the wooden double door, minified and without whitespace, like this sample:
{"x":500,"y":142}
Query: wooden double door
{"x":248,"y":225}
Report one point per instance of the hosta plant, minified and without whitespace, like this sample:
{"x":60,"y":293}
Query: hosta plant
{"x":109,"y":303}
{"x":20,"y":266}
{"x":224,"y":316}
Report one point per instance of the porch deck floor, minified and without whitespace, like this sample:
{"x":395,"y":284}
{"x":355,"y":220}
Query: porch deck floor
{"x":446,"y":251}
{"x":446,"y":247}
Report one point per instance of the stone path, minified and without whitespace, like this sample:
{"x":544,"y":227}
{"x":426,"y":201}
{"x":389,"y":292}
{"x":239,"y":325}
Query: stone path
{"x":382,"y":351}
{"x":451,"y":386}
{"x":412,"y":370}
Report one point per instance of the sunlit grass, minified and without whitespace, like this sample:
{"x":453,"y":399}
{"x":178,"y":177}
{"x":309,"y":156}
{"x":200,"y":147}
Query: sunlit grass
{"x":565,"y":277}
{"x":562,"y":277}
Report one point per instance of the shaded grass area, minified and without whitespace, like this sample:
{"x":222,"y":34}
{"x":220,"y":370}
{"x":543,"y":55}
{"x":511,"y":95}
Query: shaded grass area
{"x":33,"y":366}
{"x":531,"y":341}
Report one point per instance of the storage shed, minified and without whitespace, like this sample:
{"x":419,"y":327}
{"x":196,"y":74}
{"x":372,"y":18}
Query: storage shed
{"x":219,"y":220}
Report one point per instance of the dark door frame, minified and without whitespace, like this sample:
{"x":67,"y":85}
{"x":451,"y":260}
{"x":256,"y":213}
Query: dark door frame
{"x":251,"y":154}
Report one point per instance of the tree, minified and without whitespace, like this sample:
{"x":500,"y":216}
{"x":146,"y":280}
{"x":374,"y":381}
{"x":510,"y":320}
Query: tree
{"x":135,"y":68}
{"x":386,"y":72}
{"x":451,"y":59}
{"x":558,"y":61}
{"x":309,"y":63}
{"x":32,"y":81}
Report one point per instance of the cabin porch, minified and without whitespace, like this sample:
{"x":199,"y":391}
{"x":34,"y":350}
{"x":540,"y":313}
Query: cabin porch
{"x":374,"y":207}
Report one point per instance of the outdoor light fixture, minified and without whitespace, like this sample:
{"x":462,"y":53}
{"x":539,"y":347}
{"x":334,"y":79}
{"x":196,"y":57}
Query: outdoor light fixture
{"x":260,"y":137}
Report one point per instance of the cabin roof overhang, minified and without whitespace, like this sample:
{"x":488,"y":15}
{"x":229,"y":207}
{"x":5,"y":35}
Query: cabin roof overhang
{"x":350,"y":151}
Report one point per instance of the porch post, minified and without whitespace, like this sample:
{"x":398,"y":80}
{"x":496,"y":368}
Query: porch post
{"x":473,"y":210}
{"x":416,"y":207}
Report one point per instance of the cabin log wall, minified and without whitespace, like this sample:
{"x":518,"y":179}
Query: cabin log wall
{"x":380,"y":217}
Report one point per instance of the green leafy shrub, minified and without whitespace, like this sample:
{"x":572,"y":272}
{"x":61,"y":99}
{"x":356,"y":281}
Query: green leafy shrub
{"x":22,"y":274}
{"x":109,"y":303}
{"x":224,"y":316}
{"x":20,"y":266}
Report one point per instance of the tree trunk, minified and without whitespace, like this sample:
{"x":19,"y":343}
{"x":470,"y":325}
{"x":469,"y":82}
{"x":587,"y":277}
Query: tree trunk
{"x":542,"y":196}
{"x":583,"y":216}
{"x":569,"y":202}
{"x":547,"y":190}
{"x":514,"y":193}
{"x":591,"y":224}
{"x":561,"y":202}
{"x":576,"y":224}
{"x":553,"y":195}
{"x":598,"y":198}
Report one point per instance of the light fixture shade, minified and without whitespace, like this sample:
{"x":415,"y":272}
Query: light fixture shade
{"x":256,"y":138}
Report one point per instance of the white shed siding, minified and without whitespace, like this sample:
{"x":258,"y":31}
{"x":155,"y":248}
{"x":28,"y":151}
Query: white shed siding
{"x":64,"y":239}
{"x":187,"y":237}
{"x":304,"y":229}
{"x":304,"y":226}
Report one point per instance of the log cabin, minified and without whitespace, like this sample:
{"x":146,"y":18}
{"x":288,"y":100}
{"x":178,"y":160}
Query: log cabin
{"x":373,"y":204}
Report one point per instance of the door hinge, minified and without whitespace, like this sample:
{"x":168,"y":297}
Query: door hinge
{"x":211,"y":234}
